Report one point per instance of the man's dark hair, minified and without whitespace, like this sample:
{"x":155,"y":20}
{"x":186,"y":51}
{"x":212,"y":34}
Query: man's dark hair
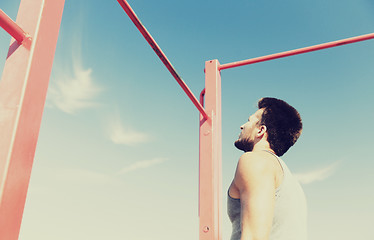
{"x":283,"y":124}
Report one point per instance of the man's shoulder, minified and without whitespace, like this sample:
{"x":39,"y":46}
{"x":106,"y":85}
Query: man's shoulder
{"x":259,"y":160}
{"x":255,"y":167}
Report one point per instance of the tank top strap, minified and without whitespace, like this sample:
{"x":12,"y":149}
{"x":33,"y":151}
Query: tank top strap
{"x":284,"y":167}
{"x":278,"y":158}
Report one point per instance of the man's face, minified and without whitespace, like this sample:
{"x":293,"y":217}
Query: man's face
{"x":247,"y":136}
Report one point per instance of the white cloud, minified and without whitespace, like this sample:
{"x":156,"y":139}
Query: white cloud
{"x":85,"y":176}
{"x":317,"y":175}
{"x":141,"y":164}
{"x":119,"y":134}
{"x":72,"y":92}
{"x":71,"y":177}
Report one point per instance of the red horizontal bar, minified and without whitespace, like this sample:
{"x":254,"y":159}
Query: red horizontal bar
{"x":12,"y":28}
{"x":297,"y":51}
{"x":161,"y":55}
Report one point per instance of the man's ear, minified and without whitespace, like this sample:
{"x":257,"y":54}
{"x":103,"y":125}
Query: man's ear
{"x":261,"y":131}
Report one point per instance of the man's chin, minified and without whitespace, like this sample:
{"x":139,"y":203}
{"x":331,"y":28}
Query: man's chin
{"x":243,"y":146}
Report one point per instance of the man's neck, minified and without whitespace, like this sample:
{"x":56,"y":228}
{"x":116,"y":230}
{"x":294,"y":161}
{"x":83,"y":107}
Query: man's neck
{"x":262,"y":145}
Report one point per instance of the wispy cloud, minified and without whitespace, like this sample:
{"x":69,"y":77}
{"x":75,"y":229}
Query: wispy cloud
{"x":119,"y":134}
{"x":317,"y":175}
{"x":74,"y":91}
{"x":72,"y":179}
{"x":141,"y":165}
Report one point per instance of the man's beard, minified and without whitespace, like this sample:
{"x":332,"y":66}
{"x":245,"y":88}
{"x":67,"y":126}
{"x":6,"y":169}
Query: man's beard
{"x":244,"y":145}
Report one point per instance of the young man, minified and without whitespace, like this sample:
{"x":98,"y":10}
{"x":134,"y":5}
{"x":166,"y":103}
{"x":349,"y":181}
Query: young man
{"x":265,"y":202}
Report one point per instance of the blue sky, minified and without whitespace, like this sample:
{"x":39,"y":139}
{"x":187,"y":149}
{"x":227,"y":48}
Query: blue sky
{"x":117,"y":156}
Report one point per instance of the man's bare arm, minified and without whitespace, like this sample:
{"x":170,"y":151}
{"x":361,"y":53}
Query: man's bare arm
{"x":255,"y":180}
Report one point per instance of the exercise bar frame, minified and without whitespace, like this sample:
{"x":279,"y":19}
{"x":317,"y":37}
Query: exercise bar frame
{"x":210,"y":134}
{"x":23,"y":90}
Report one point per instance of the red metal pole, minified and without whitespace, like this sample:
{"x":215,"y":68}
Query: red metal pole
{"x":161,"y":55}
{"x":297,"y":51}
{"x":210,"y":155}
{"x":12,"y":28}
{"x":23,"y":89}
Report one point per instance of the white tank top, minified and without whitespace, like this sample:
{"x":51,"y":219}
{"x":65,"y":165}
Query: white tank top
{"x":290,"y":210}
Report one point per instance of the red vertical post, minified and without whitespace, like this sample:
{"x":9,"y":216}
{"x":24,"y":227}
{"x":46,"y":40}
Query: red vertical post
{"x":23,"y":90}
{"x":210,"y":183}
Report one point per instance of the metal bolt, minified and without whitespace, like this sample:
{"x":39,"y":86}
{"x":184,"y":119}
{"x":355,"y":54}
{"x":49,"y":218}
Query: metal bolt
{"x":206,"y":229}
{"x":206,"y":133}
